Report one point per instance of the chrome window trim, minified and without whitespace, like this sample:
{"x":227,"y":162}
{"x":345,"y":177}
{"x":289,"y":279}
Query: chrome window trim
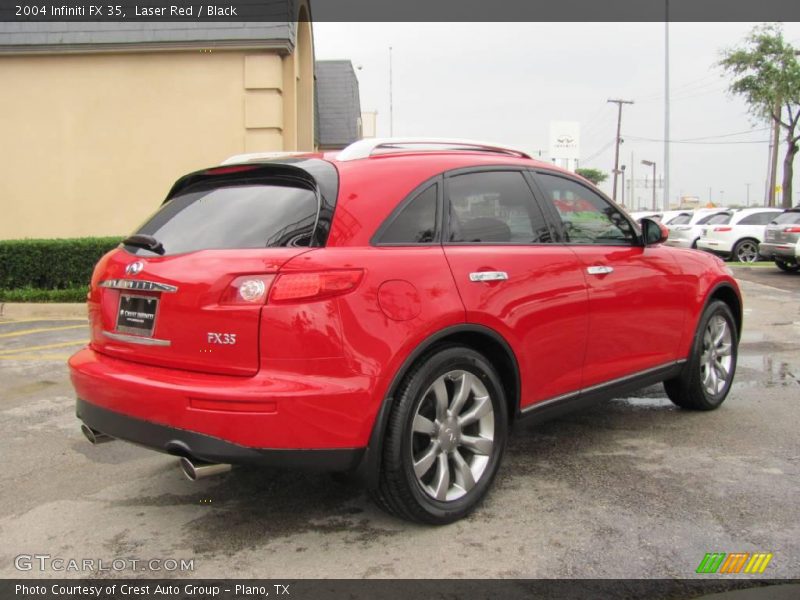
{"x":136,"y":339}
{"x":140,"y":285}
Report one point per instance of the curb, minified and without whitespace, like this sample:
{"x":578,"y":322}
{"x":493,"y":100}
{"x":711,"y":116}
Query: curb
{"x":52,"y":310}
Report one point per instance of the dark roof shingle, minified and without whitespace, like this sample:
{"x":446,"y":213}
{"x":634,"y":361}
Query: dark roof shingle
{"x":339,"y":103}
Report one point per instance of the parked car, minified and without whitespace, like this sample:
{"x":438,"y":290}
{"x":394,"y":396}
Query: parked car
{"x":685,"y":231}
{"x":390,"y":311}
{"x":782,"y":239}
{"x":665,"y":217}
{"x":739,"y":237}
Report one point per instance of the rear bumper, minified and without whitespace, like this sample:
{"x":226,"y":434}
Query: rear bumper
{"x":324,"y":407}
{"x":190,"y":444}
{"x":782,"y":251}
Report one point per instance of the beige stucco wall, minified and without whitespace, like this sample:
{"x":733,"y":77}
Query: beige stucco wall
{"x":91,"y":143}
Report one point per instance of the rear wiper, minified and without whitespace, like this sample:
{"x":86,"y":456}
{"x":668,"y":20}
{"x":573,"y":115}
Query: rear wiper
{"x":148,"y":242}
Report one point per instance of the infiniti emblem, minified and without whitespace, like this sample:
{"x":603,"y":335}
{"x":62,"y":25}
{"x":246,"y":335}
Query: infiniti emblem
{"x":134,"y":268}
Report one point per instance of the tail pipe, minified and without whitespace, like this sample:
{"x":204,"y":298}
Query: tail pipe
{"x":197,"y":469}
{"x":94,"y":436}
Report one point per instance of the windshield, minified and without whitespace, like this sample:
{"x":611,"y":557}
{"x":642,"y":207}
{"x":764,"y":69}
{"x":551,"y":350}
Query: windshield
{"x":679,"y":220}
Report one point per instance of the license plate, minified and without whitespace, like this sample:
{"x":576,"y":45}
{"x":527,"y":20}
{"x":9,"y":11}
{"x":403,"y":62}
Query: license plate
{"x":137,"y":314}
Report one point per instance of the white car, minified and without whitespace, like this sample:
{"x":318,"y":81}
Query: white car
{"x":738,"y":239}
{"x":685,"y":231}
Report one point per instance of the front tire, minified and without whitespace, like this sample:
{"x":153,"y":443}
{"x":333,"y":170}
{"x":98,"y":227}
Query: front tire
{"x":445,"y":438}
{"x":708,"y":374}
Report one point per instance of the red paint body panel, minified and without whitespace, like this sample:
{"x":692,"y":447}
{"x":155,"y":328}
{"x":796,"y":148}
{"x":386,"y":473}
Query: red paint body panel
{"x":541,"y":310}
{"x":314,"y":374}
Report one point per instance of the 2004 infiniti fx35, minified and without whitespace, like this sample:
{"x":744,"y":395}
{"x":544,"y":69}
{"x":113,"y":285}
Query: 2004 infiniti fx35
{"x":389,"y":310}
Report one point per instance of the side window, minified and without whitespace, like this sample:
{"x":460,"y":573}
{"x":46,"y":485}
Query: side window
{"x":494,"y":207}
{"x":587,"y":217}
{"x":761,"y":218}
{"x":416,"y":222}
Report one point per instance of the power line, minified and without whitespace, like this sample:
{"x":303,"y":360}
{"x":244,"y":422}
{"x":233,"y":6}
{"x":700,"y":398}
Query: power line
{"x":700,"y":138}
{"x":599,"y":152}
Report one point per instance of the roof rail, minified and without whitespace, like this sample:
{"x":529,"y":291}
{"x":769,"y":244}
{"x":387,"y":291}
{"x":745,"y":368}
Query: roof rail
{"x":256,"y":156}
{"x":365,"y":148}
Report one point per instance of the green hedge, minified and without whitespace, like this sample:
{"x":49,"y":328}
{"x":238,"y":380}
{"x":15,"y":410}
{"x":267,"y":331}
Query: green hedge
{"x":58,"y":264}
{"x":77,"y":294}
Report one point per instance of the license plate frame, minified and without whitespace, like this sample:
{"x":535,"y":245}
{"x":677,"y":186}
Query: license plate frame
{"x":140,"y":314}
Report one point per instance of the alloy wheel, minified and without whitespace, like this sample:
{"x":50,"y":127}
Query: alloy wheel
{"x":747,"y":252}
{"x":452,"y":436}
{"x":716,"y":360}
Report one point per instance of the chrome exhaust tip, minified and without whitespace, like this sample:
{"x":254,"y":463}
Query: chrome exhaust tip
{"x":197,"y":469}
{"x":95,"y":437}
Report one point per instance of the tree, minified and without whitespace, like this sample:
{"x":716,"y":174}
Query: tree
{"x":596,"y":176}
{"x":766,"y":73}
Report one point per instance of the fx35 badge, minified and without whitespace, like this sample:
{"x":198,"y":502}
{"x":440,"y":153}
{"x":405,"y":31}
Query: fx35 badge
{"x":221,"y":338}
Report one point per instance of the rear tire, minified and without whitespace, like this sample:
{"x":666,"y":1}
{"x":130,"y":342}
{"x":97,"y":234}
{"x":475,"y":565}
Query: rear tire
{"x":445,"y":438}
{"x":707,"y":376}
{"x":789,"y":267}
{"x":745,"y":251}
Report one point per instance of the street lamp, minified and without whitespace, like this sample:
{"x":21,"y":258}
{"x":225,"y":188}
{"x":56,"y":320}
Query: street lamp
{"x":650,"y":163}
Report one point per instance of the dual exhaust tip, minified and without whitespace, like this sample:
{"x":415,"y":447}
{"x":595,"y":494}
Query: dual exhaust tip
{"x":192,"y":468}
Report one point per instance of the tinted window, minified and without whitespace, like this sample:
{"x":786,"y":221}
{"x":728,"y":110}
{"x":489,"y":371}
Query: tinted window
{"x":587,"y":217}
{"x":761,"y":218}
{"x":246,"y":216}
{"x":679,"y":220}
{"x":787,"y":218}
{"x":494,"y":207}
{"x":416,"y":222}
{"x":717,"y":219}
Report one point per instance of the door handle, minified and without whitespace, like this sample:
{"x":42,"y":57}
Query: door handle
{"x":488,"y":276}
{"x":599,"y":270}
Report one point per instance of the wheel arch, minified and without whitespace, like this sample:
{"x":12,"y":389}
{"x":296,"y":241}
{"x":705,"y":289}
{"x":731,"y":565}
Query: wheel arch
{"x":727,"y":294}
{"x":478,"y":337}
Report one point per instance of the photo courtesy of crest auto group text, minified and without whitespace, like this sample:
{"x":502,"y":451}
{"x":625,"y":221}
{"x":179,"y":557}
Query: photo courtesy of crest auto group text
{"x":356,"y":299}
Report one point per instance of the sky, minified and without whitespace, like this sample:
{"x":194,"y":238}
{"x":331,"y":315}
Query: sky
{"x":505,"y":82}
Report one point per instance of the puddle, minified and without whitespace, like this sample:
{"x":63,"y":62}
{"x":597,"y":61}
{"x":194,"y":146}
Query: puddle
{"x":772,"y":371}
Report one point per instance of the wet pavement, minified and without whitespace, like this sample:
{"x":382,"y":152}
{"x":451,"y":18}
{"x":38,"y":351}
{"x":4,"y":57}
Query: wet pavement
{"x":634,"y":488}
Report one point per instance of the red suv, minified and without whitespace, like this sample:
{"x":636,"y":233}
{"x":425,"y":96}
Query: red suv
{"x":390,"y":310}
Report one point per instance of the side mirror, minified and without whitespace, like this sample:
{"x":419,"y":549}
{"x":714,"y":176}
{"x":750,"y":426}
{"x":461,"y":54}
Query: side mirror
{"x":653,"y":232}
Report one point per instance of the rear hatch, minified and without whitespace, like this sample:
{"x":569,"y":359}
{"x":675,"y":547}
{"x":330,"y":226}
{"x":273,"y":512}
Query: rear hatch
{"x":784,"y":229}
{"x":186,"y":290}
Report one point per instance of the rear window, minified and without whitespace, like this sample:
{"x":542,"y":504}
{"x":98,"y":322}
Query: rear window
{"x":679,"y":220}
{"x":718,"y":219}
{"x":787,"y":218}
{"x":237,"y":216}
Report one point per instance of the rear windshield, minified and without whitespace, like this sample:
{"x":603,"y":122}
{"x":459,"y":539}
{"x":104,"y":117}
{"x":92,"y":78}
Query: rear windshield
{"x":679,"y":220}
{"x":241,"y":216}
{"x":717,"y":219}
{"x":787,"y":218}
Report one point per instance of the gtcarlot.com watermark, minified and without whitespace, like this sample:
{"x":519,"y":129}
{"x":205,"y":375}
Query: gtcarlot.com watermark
{"x":46,"y":563}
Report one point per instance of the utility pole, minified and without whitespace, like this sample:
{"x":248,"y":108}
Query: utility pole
{"x":748,"y":194}
{"x":773,"y":169}
{"x":652,"y":163}
{"x":632,"y":194}
{"x":666,"y":106}
{"x":619,"y":104}
{"x":391,"y":103}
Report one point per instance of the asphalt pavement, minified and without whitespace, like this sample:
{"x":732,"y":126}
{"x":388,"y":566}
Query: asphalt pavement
{"x":634,"y":488}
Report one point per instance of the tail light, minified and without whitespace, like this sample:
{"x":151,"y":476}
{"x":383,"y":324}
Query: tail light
{"x":722,"y":228}
{"x":247,"y":290}
{"x":792,"y":229}
{"x":291,"y":287}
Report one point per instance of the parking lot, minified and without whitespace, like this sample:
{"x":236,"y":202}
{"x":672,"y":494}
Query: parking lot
{"x":634,"y":488}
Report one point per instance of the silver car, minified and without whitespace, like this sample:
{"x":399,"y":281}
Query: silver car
{"x":781,"y":239}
